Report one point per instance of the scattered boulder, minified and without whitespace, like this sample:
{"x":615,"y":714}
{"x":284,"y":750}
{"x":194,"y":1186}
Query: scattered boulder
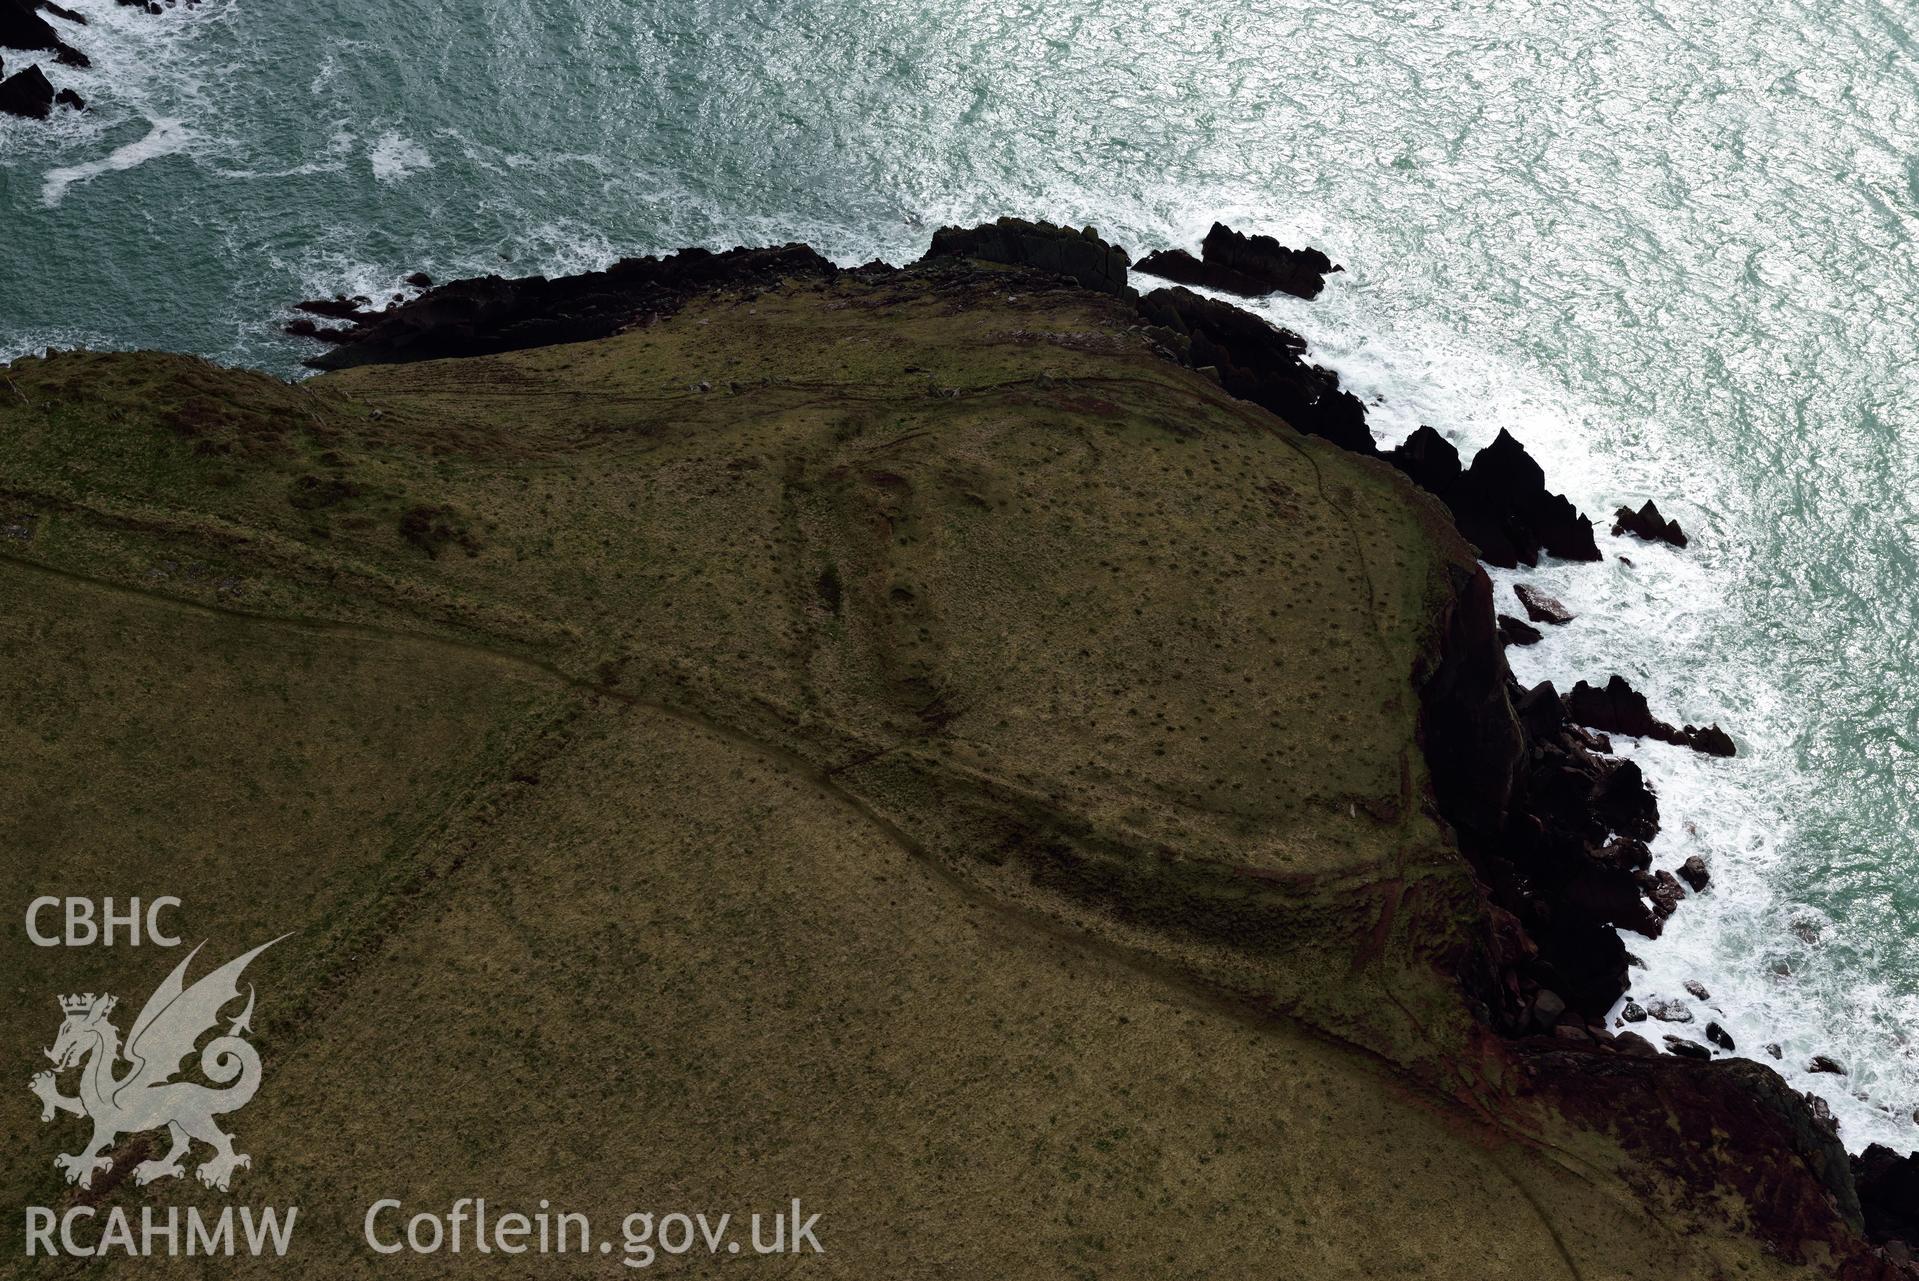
{"x":1693,"y":872}
{"x":1514,"y":632}
{"x":1698,"y":990}
{"x":1540,"y":607}
{"x":1826,"y":1063}
{"x":1666,"y":893}
{"x":27,"y":94}
{"x":1252,"y":266}
{"x":1667,"y":1010}
{"x":1686,"y":1049}
{"x":68,"y":98}
{"x":1772,"y":1048}
{"x":1720,"y":1037}
{"x":1633,"y":1013}
{"x":1548,"y":1008}
{"x":1634,"y":1044}
{"x":1062,"y":251}
{"x":420,"y":280}
{"x":1648,"y":524}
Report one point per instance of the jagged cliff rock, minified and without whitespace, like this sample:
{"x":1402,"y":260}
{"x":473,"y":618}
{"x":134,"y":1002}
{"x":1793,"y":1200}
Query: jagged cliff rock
{"x":491,"y":314}
{"x":1258,"y":362}
{"x":1501,"y":501}
{"x":1079,"y":255}
{"x":1251,"y":266}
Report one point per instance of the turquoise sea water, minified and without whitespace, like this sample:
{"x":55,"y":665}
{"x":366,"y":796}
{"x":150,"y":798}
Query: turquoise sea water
{"x":1670,"y":245}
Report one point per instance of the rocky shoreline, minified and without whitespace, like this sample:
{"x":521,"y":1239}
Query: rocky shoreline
{"x":1556,"y":828}
{"x":27,"y":92}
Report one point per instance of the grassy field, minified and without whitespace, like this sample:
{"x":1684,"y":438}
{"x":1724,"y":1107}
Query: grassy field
{"x":904,"y":746}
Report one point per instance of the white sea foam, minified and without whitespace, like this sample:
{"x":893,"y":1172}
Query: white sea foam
{"x":164,"y":138}
{"x":395,"y":156}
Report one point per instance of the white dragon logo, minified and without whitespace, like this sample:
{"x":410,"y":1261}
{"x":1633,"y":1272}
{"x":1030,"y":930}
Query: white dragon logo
{"x":174,"y":1018}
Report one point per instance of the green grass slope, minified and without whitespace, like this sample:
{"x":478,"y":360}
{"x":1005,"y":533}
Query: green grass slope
{"x":893,"y":741}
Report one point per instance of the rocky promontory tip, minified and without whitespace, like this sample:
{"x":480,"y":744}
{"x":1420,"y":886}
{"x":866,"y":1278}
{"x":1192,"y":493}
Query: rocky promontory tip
{"x":1252,"y":266}
{"x":1500,"y":502}
{"x":1620,"y":709}
{"x":1059,"y":251}
{"x":490,"y":314}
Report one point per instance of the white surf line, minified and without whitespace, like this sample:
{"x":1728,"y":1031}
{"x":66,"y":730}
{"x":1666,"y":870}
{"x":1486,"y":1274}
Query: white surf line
{"x":164,"y":138}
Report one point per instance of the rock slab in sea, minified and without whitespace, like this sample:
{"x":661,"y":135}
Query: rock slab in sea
{"x":1648,"y":524}
{"x":1540,"y":607}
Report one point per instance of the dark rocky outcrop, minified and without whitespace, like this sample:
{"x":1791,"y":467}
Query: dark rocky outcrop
{"x":1059,"y":251}
{"x":1648,"y":524}
{"x":303,"y":327}
{"x":339,"y":307}
{"x":1258,"y":362}
{"x":22,"y":27}
{"x":1693,"y":872}
{"x":1620,"y":709}
{"x":1555,"y":829}
{"x":1252,"y":266}
{"x":1888,"y":1186}
{"x":489,"y":314}
{"x":1503,"y":506}
{"x":1500,"y":502}
{"x":27,"y":94}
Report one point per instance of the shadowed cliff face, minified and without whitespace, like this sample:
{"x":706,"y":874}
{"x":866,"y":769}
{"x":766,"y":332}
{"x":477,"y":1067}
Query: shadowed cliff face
{"x":890,"y":737}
